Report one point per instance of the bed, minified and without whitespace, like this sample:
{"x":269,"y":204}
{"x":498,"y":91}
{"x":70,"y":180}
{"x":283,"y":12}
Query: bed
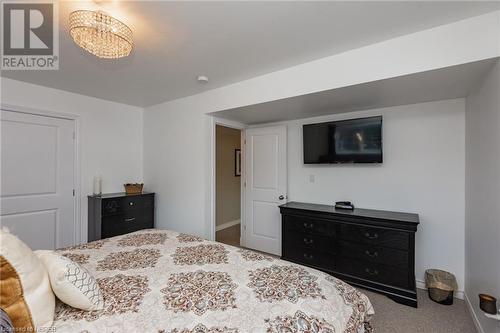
{"x":162,"y":281}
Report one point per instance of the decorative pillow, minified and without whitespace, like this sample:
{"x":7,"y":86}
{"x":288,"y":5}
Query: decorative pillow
{"x":25,"y":293}
{"x":73,"y":284}
{"x":6,"y":325}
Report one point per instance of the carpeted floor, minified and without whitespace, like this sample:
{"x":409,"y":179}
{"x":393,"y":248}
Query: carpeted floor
{"x":430,"y":317}
{"x":230,"y":236}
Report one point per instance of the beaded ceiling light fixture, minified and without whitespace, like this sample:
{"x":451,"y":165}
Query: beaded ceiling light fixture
{"x":100,"y":34}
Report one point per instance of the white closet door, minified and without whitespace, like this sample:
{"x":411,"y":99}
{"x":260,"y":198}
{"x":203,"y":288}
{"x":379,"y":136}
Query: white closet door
{"x":37,"y":201}
{"x":266,"y":187}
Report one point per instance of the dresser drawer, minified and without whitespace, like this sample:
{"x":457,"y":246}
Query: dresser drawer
{"x":307,"y":225}
{"x":112,"y":206}
{"x":138,"y":202}
{"x":375,"y":236}
{"x":374,"y":254}
{"x":308,"y":241}
{"x":308,"y":256}
{"x":373,"y":272}
{"x":126,"y":222}
{"x":133,"y":202}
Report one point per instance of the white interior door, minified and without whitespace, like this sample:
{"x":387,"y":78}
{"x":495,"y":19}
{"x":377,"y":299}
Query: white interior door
{"x":37,"y":179}
{"x":266,"y":187}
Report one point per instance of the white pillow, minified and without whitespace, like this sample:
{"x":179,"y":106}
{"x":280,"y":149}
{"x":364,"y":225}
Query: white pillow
{"x":25,"y":288}
{"x":72,"y":283}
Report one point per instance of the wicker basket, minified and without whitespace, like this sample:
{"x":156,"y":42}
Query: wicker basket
{"x":133,"y":188}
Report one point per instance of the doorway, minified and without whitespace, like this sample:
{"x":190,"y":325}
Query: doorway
{"x":228,"y":185}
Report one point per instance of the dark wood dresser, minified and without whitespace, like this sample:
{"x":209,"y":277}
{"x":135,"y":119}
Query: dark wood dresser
{"x":118,"y":213}
{"x":368,"y":248}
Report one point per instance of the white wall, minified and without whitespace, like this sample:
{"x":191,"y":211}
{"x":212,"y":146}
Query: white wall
{"x":482,"y":265}
{"x":176,"y":166}
{"x":423,"y":172}
{"x":110,"y":135}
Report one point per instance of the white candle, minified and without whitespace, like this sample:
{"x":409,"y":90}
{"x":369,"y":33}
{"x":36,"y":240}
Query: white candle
{"x":97,"y":185}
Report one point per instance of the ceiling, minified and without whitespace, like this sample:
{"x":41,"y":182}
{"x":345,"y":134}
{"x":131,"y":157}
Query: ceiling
{"x":228,"y":42}
{"x":447,"y":83}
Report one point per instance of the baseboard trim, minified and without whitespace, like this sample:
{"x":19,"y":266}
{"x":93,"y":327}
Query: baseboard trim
{"x":473,"y":314}
{"x":458,"y":294}
{"x":227,"y":225}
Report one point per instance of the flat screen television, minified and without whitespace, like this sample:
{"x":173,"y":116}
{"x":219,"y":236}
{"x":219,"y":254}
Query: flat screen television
{"x":346,"y":141}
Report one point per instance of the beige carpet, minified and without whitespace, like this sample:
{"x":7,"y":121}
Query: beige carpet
{"x":430,"y":317}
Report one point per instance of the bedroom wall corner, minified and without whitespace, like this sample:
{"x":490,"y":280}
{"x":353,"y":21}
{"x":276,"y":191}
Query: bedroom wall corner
{"x":482,"y":209}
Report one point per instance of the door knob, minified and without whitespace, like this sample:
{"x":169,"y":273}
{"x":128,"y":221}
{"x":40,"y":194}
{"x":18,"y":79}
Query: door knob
{"x":281,"y":197}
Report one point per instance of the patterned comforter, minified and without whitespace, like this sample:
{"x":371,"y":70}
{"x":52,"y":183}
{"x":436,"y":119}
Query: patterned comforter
{"x":161,"y":281}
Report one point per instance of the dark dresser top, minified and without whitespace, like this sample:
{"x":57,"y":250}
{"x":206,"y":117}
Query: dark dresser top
{"x":359,"y":212}
{"x":117,"y":195}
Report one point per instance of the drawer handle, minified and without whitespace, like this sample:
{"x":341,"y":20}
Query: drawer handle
{"x":371,"y":271}
{"x":371,"y":236}
{"x":308,"y":241}
{"x":308,"y":256}
{"x":130,"y":219}
{"x":308,"y":226}
{"x":373,"y":254}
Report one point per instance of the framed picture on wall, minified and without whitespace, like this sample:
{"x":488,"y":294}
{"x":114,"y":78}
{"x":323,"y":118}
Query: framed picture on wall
{"x":237,"y":162}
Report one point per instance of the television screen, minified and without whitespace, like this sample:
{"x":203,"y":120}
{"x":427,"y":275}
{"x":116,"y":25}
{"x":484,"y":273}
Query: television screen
{"x":346,"y":141}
